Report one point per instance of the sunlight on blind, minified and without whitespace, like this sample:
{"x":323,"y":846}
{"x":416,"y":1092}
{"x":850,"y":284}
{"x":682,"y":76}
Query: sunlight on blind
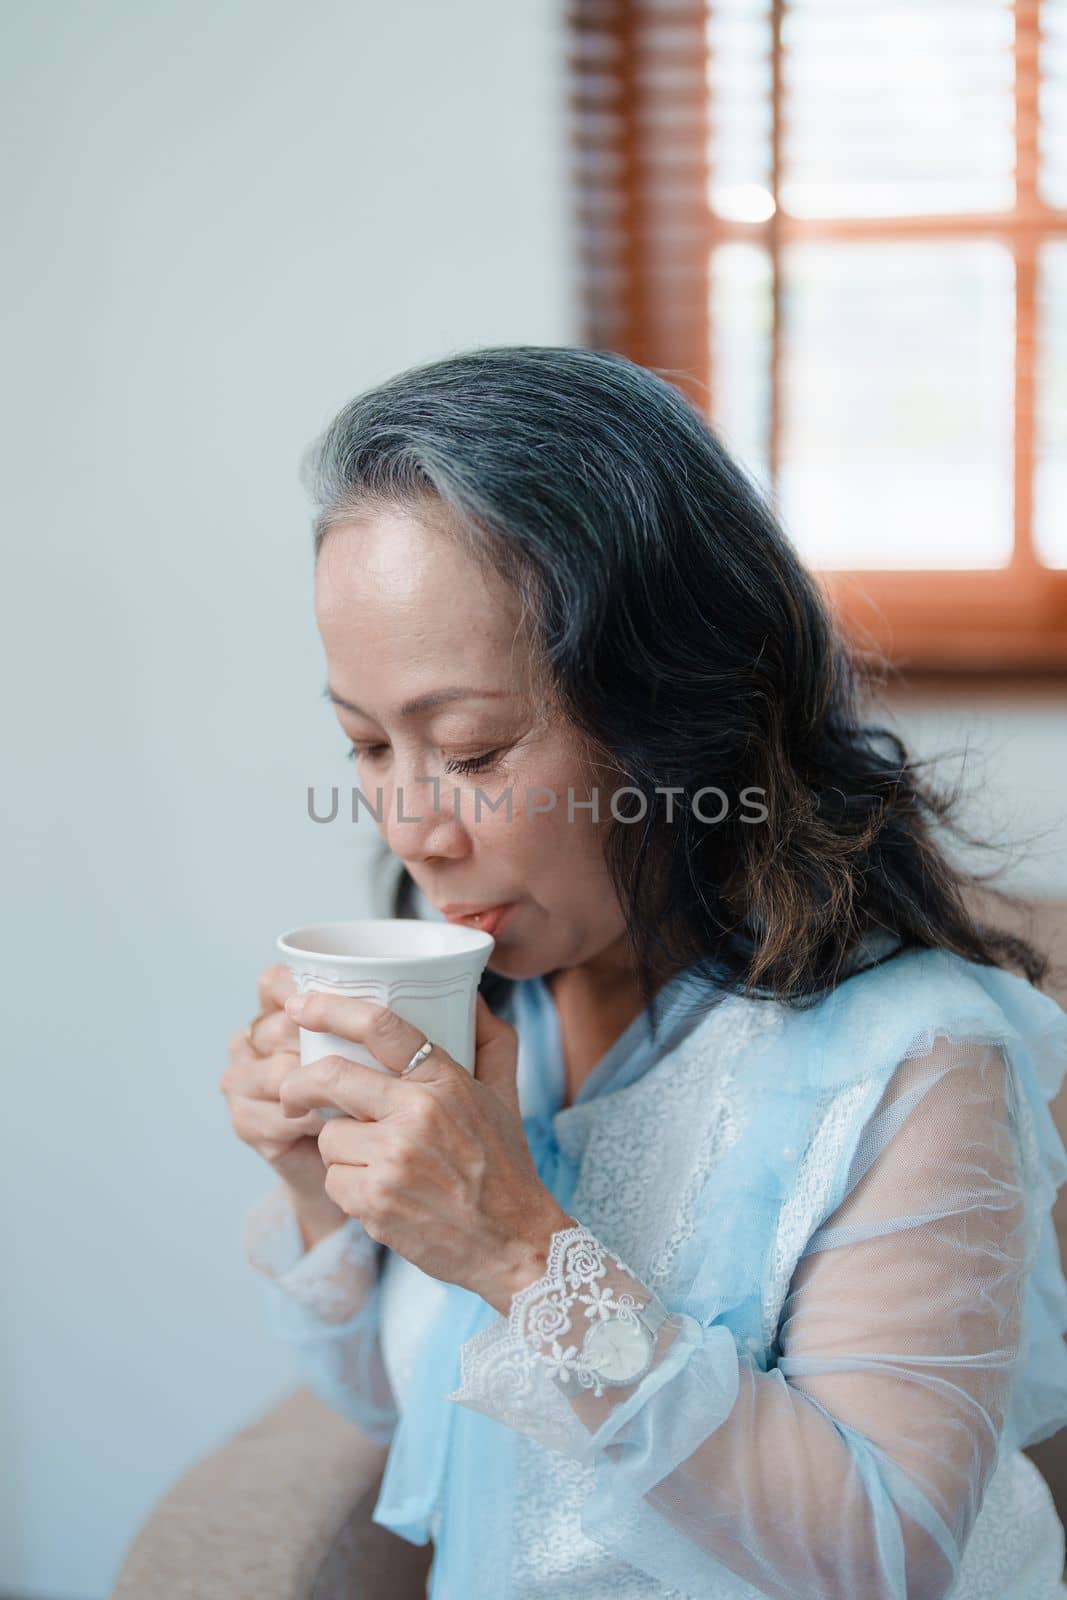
{"x":869,"y":91}
{"x":1052,"y":143}
{"x":740,"y":320}
{"x":897,"y":403}
{"x":1050,"y":482}
{"x":739,"y":132}
{"x":872,"y":91}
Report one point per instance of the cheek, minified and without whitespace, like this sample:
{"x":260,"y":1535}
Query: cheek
{"x":520,"y":840}
{"x":553,"y":848}
{"x":546,"y":845}
{"x":520,"y":837}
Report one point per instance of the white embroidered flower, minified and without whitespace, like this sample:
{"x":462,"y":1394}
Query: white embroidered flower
{"x":599,"y":1301}
{"x":561,"y":1363}
{"x":548,"y":1316}
{"x":584,"y":1260}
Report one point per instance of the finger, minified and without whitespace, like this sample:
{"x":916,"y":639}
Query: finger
{"x":348,"y":1086}
{"x":276,"y":1031}
{"x":275,"y":985}
{"x":258,"y":1120}
{"x":349,"y":1141}
{"x":257,"y":1077}
{"x":487,"y":1025}
{"x":390,"y":1038}
{"x":496,"y":1047}
{"x":243,"y":1053}
{"x":350,"y":1188}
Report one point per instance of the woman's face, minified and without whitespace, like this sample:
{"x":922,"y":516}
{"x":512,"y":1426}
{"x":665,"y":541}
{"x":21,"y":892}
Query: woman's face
{"x":403,"y":612}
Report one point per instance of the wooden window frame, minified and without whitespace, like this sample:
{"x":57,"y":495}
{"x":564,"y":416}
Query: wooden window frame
{"x":644,"y":239}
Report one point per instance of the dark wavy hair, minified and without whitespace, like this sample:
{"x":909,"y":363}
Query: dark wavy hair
{"x":672,"y":622}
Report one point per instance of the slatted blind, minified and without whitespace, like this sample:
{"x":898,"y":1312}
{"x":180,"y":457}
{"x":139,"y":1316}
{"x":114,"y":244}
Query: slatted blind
{"x":640,"y":102}
{"x":841,"y":226}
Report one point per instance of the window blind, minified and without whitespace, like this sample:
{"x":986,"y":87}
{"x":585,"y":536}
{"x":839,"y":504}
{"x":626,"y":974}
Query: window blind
{"x":841,"y":227}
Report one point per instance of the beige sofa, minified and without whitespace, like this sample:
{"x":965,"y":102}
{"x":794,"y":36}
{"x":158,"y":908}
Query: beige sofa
{"x":282,"y":1510}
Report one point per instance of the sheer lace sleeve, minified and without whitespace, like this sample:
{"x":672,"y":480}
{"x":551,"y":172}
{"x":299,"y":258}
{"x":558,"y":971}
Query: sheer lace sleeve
{"x":857,"y":1463}
{"x":325,"y":1303}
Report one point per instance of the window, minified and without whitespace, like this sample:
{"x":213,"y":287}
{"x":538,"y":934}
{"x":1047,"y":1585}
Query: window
{"x":841,"y":227}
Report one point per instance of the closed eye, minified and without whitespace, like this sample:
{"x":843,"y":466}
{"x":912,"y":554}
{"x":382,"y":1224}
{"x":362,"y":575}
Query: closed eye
{"x":472,"y":764}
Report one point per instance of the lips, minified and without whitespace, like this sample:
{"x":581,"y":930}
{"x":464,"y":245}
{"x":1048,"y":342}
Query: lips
{"x":487,"y":919}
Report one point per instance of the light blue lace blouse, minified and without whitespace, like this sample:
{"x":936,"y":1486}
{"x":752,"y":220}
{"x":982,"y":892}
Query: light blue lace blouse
{"x":846,"y":1214}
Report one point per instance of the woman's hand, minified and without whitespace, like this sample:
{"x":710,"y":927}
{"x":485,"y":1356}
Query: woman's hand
{"x":435,"y":1164}
{"x":251,"y":1083}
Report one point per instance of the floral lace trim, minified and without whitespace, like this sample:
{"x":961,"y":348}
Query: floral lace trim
{"x":527,"y":1370}
{"x":573,"y":1287}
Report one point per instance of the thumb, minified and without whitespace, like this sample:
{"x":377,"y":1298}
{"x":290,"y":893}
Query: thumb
{"x":496,"y":1050}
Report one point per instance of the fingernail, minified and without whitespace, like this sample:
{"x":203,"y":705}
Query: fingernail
{"x":295,"y":1005}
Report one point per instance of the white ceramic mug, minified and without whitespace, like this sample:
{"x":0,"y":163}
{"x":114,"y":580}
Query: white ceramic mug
{"x":427,"y":972}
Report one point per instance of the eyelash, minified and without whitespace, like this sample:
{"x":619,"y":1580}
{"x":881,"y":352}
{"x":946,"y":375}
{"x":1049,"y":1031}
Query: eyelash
{"x":474,"y":764}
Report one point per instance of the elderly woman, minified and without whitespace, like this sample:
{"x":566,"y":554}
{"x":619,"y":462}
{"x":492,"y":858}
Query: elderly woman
{"x":730,"y":1270}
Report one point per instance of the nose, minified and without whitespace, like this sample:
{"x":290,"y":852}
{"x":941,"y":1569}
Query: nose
{"x":418,"y":830}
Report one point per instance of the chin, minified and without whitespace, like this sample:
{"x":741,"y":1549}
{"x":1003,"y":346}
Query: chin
{"x":516,"y":964}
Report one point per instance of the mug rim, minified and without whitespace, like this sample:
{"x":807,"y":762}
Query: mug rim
{"x":475,"y":941}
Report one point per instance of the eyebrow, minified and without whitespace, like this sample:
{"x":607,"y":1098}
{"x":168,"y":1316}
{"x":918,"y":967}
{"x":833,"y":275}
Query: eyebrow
{"x":422,"y":702}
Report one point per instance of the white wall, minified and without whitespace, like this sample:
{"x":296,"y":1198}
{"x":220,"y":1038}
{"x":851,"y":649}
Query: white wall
{"x":1008,"y":745}
{"x":222,"y":219}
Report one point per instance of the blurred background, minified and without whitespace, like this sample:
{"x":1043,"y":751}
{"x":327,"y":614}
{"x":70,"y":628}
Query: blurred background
{"x":839,"y":225}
